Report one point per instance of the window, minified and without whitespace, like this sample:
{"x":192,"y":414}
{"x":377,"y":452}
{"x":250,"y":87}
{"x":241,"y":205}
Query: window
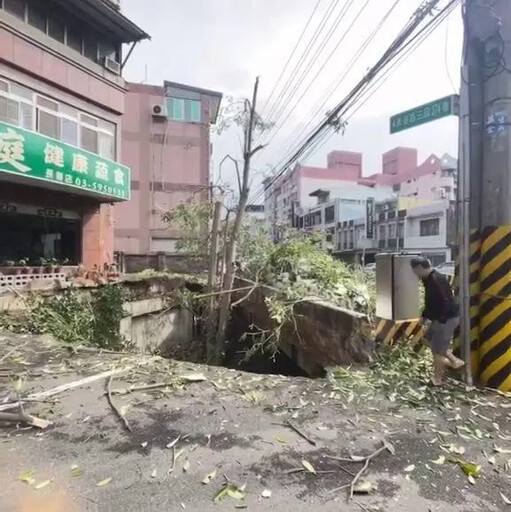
{"x":184,"y":110}
{"x":16,"y":8}
{"x":48,"y":124}
{"x":56,"y":120}
{"x":36,"y":16}
{"x":90,"y":47}
{"x":430,"y":227}
{"x":56,"y":30}
{"x":89,"y":139}
{"x":194,"y":107}
{"x":69,"y":131}
{"x":401,"y":230}
{"x":74,"y":39}
{"x":89,"y":120}
{"x":392,"y":230}
{"x":329,"y":214}
{"x":176,"y":109}
{"x":27,"y":117}
{"x":9,"y":112}
{"x":107,"y":146}
{"x":382,"y":232}
{"x":107,"y":49}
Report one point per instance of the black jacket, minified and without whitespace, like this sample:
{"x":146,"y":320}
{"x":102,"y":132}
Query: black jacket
{"x":439,"y":300}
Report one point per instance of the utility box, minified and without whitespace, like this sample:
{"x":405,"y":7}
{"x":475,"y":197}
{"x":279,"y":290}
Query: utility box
{"x":397,"y":287}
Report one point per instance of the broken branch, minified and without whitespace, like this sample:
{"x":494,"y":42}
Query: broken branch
{"x":33,"y":421}
{"x":386,"y":446}
{"x":300,"y":433}
{"x":66,"y":387}
{"x":245,"y":297}
{"x":222,"y":292}
{"x":122,"y":417}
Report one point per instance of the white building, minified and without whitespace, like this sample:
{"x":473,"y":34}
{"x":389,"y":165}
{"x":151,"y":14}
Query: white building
{"x":399,"y":225}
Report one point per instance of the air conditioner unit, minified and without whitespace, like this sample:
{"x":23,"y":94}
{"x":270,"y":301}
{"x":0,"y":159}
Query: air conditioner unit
{"x":112,"y":65}
{"x":159,"y":111}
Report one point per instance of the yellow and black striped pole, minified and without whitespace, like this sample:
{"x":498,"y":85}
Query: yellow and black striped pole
{"x":474,"y":290}
{"x":495,"y":308}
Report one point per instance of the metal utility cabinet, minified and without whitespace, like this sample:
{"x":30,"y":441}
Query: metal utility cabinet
{"x":397,"y":287}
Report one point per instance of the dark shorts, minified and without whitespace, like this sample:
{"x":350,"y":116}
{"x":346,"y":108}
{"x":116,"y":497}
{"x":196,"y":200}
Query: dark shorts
{"x":440,"y":335}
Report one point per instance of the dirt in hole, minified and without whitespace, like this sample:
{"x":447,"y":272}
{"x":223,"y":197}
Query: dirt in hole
{"x":235,"y":356}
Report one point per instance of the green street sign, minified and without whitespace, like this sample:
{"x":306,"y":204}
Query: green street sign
{"x":36,"y":157}
{"x":448,"y":106}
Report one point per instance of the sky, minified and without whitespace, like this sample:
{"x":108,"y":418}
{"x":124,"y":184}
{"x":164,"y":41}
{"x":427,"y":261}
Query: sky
{"x":224,"y":45}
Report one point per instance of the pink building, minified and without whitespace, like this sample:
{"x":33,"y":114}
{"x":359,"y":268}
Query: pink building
{"x":166,"y":142}
{"x":290,"y":195}
{"x":292,"y":190}
{"x":61,"y":102}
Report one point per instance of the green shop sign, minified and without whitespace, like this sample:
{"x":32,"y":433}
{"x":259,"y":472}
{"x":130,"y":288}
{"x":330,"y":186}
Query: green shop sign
{"x":34,"y":156}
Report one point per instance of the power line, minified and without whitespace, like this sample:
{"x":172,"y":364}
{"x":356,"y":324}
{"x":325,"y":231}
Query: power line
{"x":319,"y":105}
{"x":306,"y":90}
{"x":310,"y":64}
{"x":304,"y":55}
{"x":268,"y":101}
{"x":380,"y":81}
{"x":334,"y":118}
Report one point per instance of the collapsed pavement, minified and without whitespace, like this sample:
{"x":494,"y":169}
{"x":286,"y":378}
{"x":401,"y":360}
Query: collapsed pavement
{"x":267,"y":442}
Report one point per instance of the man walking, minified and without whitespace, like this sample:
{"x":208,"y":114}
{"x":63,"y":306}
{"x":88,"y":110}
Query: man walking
{"x":443,"y":312}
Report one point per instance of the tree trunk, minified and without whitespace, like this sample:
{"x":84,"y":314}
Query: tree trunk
{"x":230,"y":257}
{"x":213,"y":261}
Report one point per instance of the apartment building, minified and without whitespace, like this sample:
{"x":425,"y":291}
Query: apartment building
{"x":399,"y":224}
{"x":61,"y":102}
{"x":166,"y":142}
{"x":291,"y":192}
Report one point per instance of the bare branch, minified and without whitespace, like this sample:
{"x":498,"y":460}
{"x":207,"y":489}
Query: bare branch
{"x":258,"y":148}
{"x":121,"y":416}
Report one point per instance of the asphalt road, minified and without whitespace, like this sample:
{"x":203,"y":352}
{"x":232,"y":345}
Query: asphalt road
{"x":233,"y":427}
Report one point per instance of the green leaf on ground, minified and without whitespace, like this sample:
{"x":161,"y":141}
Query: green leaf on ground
{"x":27,"y":477}
{"x":104,"y":483}
{"x":229,"y":491}
{"x":77,"y":472}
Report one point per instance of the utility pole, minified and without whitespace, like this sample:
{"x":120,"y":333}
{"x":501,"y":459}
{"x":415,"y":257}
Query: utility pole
{"x":486,"y":224}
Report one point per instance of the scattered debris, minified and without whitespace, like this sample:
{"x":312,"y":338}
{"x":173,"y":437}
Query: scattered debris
{"x":67,"y":387}
{"x":121,"y":416}
{"x":266,"y":493}
{"x":366,"y":460}
{"x":104,"y":483}
{"x":28,"y":419}
{"x":309,"y":467}
{"x":230,"y":491}
{"x":301,"y":433}
{"x":42,"y":485}
{"x":209,"y":478}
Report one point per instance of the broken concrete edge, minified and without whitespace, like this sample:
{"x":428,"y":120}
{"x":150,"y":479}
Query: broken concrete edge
{"x":140,"y":288}
{"x":322,"y":335}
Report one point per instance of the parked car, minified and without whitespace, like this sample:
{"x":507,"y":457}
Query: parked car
{"x":370,"y":267}
{"x":446,"y":268}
